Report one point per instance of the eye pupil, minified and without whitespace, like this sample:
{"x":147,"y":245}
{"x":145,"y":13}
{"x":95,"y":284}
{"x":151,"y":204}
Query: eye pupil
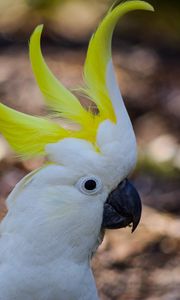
{"x":90,"y":185}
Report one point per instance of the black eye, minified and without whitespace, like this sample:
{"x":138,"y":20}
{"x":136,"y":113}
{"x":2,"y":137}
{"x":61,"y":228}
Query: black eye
{"x":89,"y":185}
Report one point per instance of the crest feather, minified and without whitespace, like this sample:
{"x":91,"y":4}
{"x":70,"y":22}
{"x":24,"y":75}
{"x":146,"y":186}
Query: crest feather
{"x":99,"y":56}
{"x":28,"y":135}
{"x":56,"y":96}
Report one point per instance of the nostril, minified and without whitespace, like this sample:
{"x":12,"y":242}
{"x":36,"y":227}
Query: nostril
{"x":123,"y":183}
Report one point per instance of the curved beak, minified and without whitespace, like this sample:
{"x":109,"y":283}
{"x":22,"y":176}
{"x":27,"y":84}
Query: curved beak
{"x":122,"y":208}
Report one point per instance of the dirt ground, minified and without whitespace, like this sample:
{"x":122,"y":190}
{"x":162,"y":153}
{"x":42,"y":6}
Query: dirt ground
{"x":144,"y":265}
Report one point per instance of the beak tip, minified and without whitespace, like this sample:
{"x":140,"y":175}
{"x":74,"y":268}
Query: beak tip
{"x":134,"y":227}
{"x":135,"y":222}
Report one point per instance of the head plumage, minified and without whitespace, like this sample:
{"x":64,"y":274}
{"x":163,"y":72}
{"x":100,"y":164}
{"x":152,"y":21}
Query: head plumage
{"x":29,"y":135}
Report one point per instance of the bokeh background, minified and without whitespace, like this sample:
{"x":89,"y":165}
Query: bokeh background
{"x":144,"y":265}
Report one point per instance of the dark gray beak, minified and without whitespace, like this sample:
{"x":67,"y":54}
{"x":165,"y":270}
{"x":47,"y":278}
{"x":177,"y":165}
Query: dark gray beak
{"x":122,"y":208}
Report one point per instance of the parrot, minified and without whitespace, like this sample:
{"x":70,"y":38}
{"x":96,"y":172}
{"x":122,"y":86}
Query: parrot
{"x":58,"y":213}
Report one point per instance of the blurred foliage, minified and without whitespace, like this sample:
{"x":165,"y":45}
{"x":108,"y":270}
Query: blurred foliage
{"x":76,"y":19}
{"x":160,"y":29}
{"x":42,"y":4}
{"x":164,"y":170}
{"x":18,"y":18}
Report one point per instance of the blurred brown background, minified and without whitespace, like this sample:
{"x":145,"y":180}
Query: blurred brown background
{"x":146,"y":51}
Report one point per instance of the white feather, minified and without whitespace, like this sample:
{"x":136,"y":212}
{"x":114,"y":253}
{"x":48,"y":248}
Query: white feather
{"x":48,"y":237}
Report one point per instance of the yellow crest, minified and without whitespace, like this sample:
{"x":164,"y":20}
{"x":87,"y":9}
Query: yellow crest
{"x":28,"y":135}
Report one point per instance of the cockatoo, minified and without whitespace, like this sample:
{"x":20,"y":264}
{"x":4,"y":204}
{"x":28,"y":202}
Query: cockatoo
{"x":56,"y":214}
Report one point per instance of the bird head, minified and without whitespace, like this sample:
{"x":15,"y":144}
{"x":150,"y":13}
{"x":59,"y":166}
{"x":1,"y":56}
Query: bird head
{"x":84,"y":186}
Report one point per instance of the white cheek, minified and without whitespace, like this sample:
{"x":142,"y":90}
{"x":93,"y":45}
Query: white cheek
{"x":71,"y":197}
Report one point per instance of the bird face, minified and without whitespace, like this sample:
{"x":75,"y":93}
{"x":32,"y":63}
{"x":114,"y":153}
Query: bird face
{"x":77,"y":203}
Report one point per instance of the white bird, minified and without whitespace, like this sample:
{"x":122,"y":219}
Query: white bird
{"x":56,"y":213}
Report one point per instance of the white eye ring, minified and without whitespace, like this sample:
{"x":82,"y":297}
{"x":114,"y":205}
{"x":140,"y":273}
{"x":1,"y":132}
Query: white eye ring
{"x":89,"y":185}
